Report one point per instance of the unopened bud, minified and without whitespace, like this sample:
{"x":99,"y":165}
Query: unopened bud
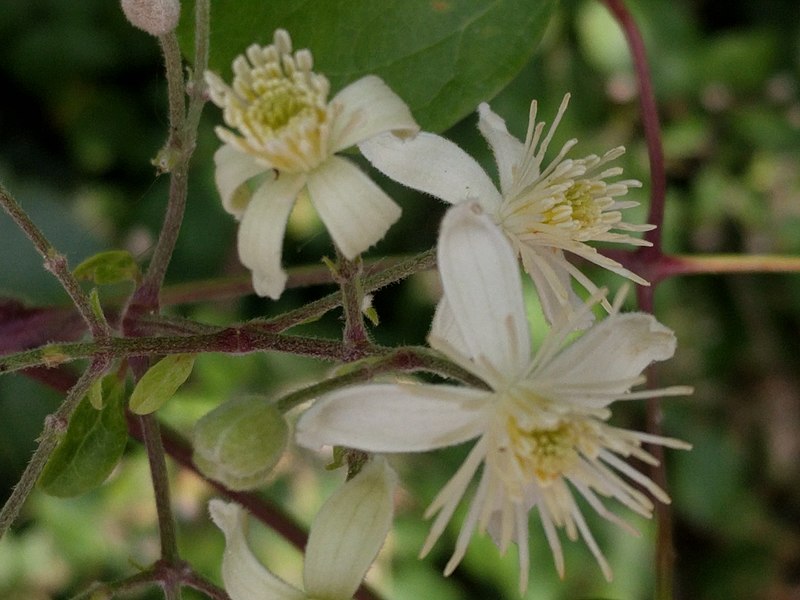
{"x":239,"y":442}
{"x":156,"y":17}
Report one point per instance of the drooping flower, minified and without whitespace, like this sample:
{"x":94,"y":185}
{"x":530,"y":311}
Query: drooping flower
{"x":545,"y":209}
{"x":282,"y":142}
{"x":540,"y":425}
{"x":345,"y":537}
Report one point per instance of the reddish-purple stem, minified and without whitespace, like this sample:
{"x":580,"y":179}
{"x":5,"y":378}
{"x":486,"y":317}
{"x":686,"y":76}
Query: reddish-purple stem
{"x":648,"y":258}
{"x":650,"y":122}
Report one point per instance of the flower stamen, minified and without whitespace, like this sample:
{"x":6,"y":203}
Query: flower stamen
{"x":278,"y":106}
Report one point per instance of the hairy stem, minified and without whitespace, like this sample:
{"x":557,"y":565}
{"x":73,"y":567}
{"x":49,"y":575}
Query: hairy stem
{"x":401,"y":270}
{"x":407,"y":360}
{"x":347,"y":274}
{"x":56,"y":263}
{"x":197,"y":84}
{"x":235,"y":340}
{"x":158,"y":473}
{"x":54,"y":427}
{"x":175,"y":156}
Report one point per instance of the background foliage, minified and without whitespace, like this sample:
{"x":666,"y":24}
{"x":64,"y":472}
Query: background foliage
{"x":84,"y":111}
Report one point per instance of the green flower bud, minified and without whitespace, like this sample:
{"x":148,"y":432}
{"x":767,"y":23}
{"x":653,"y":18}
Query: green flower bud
{"x":239,"y":442}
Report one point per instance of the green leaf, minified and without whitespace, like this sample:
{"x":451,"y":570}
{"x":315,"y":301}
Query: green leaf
{"x":95,"y":395}
{"x":443,"y":57}
{"x":160,"y":383}
{"x":112,"y":266}
{"x":92,"y":446}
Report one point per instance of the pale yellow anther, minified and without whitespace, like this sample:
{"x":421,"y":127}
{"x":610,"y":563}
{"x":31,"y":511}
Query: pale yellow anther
{"x":276,"y":106}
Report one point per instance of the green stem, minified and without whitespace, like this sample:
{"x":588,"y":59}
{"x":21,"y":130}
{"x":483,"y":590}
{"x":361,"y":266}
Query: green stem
{"x":347,"y":274}
{"x":670,"y":266}
{"x":56,"y":263}
{"x":197,"y":85}
{"x":158,"y":472}
{"x":231,"y":340}
{"x":313,"y":310}
{"x":406,"y":359}
{"x":173,"y":66}
{"x":54,"y":427}
{"x":175,"y":157}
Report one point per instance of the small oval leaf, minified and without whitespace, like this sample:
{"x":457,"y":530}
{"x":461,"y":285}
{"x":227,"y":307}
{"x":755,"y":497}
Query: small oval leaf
{"x":92,"y":446}
{"x":112,"y":266}
{"x":95,"y":395}
{"x":160,"y":383}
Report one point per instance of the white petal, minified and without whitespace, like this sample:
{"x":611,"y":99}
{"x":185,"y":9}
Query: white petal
{"x":261,"y":232}
{"x":549,"y":270}
{"x":394,"y":418}
{"x":348,"y":532}
{"x":369,"y":107}
{"x":355,"y":210}
{"x":617,"y":349}
{"x":433,"y":165}
{"x":244,"y":576}
{"x":507,"y":149}
{"x":233,"y":169}
{"x":445,"y":329}
{"x":482,"y":284}
{"x":445,"y":336}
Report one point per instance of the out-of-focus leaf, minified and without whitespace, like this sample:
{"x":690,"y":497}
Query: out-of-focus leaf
{"x":443,"y":57}
{"x":741,"y":60}
{"x":160,"y":383}
{"x":111,"y":266}
{"x":91,"y":447}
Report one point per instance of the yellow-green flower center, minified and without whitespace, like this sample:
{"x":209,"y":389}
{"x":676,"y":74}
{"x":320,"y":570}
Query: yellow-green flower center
{"x":277,"y":106}
{"x":279,"y":101}
{"x":578,"y":205}
{"x":546,"y":453}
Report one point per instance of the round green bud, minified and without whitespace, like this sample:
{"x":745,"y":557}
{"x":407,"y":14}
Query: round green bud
{"x":239,"y":442}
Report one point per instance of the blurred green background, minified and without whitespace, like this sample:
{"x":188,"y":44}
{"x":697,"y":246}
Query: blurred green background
{"x":83,"y":111}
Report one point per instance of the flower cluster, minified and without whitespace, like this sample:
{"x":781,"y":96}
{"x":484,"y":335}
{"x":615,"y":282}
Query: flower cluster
{"x":539,"y":421}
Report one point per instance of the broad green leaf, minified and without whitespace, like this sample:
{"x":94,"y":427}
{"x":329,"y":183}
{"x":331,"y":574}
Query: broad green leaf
{"x":112,"y":266}
{"x":160,"y":383}
{"x":443,"y":57}
{"x":92,"y":446}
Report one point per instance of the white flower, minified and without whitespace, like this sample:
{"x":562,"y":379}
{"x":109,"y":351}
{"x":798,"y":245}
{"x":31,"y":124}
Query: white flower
{"x":540,"y":427}
{"x":544,"y":209}
{"x":285,"y":144}
{"x":345,"y":537}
